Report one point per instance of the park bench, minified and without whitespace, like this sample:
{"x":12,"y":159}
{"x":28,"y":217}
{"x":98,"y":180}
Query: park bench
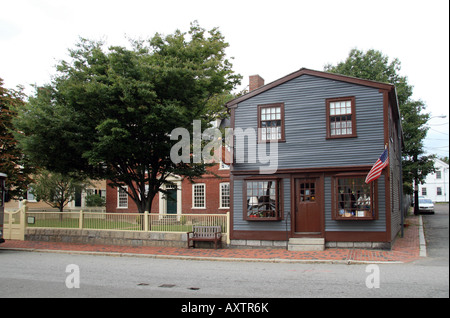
{"x":205,"y":234}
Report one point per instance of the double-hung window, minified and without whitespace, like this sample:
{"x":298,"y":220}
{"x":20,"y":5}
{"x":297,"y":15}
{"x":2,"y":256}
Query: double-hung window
{"x":199,"y":196}
{"x":341,"y":117}
{"x":224,"y":195}
{"x":122,"y":198}
{"x":271,"y":122}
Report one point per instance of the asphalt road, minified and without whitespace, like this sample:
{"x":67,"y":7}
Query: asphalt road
{"x":53,"y":275}
{"x":437,"y":235}
{"x":26,"y":274}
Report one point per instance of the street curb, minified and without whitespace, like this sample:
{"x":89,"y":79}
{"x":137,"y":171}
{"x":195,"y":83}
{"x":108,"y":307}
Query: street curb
{"x":202,"y":258}
{"x":422,"y":241}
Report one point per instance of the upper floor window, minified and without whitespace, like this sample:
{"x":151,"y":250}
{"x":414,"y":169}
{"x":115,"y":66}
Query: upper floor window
{"x":224,"y":166}
{"x":424,"y":191}
{"x":438,"y":174}
{"x":271,"y":122}
{"x":341,"y":117}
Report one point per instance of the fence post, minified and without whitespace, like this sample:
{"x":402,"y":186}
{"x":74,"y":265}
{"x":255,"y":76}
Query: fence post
{"x":146,"y":221}
{"x":81,"y":220}
{"x":228,"y":228}
{"x":23,"y":221}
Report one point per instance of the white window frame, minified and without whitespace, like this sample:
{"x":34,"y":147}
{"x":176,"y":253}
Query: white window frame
{"x":118,"y":197}
{"x":224,"y":166}
{"x":33,"y":199}
{"x":221,"y":194}
{"x":194,"y":186}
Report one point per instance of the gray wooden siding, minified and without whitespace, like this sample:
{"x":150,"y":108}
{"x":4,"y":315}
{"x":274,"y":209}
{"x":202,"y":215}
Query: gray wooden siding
{"x":242,"y":225}
{"x":331,"y":225}
{"x":305,"y":124}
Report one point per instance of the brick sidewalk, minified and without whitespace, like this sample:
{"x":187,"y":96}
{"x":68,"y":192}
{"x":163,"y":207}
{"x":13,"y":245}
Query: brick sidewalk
{"x":405,"y":249}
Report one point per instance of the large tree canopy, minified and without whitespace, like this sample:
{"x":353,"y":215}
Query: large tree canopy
{"x":108,"y":113}
{"x":12,"y":160}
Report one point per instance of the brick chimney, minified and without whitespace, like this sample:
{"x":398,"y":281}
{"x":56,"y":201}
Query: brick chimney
{"x":256,"y":81}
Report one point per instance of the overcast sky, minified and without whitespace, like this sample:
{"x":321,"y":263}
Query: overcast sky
{"x":269,"y":38}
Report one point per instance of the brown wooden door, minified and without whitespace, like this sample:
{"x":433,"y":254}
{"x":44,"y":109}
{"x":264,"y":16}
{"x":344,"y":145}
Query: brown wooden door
{"x":308,"y":212}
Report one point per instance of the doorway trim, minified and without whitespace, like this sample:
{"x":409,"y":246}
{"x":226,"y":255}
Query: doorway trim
{"x":163,"y":200}
{"x":320,"y":199}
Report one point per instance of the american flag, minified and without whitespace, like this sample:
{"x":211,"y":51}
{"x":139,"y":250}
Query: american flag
{"x":381,"y":163}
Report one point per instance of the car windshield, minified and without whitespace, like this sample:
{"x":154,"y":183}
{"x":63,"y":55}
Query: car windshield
{"x":427,"y":201}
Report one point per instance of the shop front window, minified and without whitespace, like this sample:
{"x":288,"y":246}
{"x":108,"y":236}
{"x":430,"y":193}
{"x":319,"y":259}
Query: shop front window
{"x":354,"y":199}
{"x":262,"y":200}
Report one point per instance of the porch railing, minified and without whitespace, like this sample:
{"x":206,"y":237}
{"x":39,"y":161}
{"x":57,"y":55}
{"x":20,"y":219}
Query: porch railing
{"x":141,"y":222}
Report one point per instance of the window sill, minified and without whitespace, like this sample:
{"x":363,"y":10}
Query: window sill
{"x":341,"y":137}
{"x":366,"y":217}
{"x":269,"y":141}
{"x":262,"y":219}
{"x":354,"y":218}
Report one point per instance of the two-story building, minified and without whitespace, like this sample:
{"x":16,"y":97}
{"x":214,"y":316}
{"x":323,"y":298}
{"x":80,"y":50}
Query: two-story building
{"x":436,"y":184}
{"x":329,"y":131}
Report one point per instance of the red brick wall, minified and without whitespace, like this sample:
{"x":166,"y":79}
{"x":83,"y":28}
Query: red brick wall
{"x":255,"y":82}
{"x":212,"y":192}
{"x":212,"y":196}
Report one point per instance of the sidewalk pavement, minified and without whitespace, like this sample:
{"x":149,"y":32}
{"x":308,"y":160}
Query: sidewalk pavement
{"x":406,"y":249}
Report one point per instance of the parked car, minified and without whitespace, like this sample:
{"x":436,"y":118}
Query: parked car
{"x":426,"y":205}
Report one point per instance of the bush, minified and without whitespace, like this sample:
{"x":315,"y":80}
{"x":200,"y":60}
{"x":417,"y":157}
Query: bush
{"x":94,"y":200}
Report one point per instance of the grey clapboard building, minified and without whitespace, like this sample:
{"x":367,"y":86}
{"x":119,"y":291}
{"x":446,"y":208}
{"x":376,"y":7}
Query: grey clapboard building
{"x":327,"y":131}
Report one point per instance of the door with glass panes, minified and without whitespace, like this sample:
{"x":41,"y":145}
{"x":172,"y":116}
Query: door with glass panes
{"x":308,"y":207}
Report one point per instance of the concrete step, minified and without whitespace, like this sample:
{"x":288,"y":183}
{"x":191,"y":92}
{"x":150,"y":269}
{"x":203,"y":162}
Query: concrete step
{"x":306,"y":244}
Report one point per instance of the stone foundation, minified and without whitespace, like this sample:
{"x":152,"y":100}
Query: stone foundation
{"x":123,"y":238}
{"x":120,"y":238}
{"x":258,"y":244}
{"x":284,"y":244}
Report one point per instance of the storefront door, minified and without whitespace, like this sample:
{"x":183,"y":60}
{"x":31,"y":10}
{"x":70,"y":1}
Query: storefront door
{"x":308,"y":207}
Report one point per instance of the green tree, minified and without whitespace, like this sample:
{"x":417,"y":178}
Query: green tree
{"x":108,"y":113}
{"x":56,"y":189}
{"x":374,"y":65}
{"x":12,"y":161}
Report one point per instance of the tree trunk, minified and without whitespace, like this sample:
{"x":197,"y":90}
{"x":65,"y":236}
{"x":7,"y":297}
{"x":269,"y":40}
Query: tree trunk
{"x":416,"y":197}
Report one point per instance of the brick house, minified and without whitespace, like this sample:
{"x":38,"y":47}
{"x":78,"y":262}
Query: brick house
{"x":209,"y":194}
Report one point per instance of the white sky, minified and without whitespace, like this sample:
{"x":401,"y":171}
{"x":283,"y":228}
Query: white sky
{"x":269,"y":38}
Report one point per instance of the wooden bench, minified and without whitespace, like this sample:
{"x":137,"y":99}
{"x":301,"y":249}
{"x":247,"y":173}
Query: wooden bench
{"x":205,"y":234}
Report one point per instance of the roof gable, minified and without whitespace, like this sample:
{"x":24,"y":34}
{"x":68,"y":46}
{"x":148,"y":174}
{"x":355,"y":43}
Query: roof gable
{"x":439,"y":163}
{"x":304,"y":71}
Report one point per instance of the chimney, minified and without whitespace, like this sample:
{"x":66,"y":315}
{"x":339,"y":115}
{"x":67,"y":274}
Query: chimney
{"x":256,"y":81}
